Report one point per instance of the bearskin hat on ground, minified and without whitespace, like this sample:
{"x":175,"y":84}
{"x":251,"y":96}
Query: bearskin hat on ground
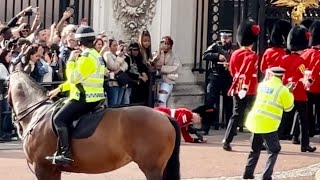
{"x":279,"y":33}
{"x":298,"y":38}
{"x":247,"y":33}
{"x":315,"y":33}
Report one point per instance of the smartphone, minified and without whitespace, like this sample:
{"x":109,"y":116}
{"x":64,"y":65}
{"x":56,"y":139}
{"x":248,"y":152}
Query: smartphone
{"x":28,"y":13}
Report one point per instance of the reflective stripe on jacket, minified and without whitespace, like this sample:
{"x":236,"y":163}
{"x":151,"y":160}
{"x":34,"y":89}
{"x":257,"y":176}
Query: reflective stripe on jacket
{"x":85,"y":77}
{"x":272,"y":99}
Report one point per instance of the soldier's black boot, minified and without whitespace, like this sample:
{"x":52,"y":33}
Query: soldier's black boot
{"x":308,"y":149}
{"x":64,"y":156}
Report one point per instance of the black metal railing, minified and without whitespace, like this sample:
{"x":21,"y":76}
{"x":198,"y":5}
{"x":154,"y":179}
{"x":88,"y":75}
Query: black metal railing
{"x":48,"y":10}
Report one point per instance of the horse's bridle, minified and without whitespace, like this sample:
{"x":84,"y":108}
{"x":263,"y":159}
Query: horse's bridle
{"x":26,"y":112}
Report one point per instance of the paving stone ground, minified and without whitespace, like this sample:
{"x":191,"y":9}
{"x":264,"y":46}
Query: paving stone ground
{"x":198,"y":162}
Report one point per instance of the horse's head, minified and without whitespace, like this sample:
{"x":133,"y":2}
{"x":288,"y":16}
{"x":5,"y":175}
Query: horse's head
{"x":24,"y":94}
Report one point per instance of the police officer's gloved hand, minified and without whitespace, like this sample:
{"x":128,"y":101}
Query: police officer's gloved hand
{"x":242,"y":93}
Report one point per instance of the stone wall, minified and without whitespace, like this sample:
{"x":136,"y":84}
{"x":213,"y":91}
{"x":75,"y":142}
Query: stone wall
{"x":175,"y":18}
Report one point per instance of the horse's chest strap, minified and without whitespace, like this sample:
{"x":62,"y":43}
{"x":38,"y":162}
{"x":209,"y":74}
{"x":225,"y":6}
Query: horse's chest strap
{"x":30,"y":127}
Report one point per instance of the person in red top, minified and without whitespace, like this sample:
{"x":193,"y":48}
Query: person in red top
{"x":273,"y":55}
{"x":185,"y":119}
{"x":298,"y":40}
{"x":243,"y":69}
{"x":312,"y":77}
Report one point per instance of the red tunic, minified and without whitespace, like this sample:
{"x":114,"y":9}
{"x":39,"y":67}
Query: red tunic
{"x":243,"y":69}
{"x":294,"y":66}
{"x":183,"y":117}
{"x":312,"y":63}
{"x":271,"y":58}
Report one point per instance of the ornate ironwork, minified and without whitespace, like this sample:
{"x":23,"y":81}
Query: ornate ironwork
{"x":213,"y":21}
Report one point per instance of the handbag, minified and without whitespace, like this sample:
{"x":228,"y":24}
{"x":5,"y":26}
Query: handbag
{"x":123,"y":78}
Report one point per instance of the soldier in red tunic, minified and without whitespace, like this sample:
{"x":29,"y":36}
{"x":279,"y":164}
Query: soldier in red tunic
{"x":243,"y":69}
{"x":186,"y":119}
{"x":312,"y":78}
{"x":298,"y":40}
{"x":278,"y":40}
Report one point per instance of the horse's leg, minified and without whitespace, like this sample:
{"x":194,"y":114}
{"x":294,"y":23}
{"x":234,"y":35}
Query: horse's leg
{"x":46,"y":172}
{"x":153,"y":174}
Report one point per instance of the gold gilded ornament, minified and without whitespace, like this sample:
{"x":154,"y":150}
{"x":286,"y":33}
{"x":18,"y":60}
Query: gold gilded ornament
{"x":299,"y":7}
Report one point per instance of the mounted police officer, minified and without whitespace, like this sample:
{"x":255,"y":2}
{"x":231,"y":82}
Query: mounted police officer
{"x":218,"y":55}
{"x":85,"y":76}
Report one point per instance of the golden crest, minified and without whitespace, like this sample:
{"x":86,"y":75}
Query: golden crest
{"x":299,"y":6}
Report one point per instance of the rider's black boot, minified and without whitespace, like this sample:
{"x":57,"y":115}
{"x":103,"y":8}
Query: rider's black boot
{"x":64,"y":155}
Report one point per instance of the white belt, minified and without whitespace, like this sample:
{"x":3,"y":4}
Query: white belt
{"x":301,"y":79}
{"x":173,"y":112}
{"x":242,"y":75}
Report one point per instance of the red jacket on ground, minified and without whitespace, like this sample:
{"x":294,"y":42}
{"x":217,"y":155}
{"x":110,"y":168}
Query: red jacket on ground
{"x":271,"y":58}
{"x":294,"y":66}
{"x":312,"y":62}
{"x":183,"y":116}
{"x":243,"y":69}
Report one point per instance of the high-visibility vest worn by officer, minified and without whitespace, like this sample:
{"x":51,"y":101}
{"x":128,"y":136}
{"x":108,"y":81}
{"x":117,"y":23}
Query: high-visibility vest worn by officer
{"x":272,"y":99}
{"x":85,"y":77}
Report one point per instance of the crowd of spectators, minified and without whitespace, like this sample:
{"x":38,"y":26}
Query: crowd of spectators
{"x":43,"y":54}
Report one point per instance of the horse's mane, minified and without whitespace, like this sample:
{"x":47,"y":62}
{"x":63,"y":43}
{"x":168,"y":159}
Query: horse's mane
{"x":29,"y":82}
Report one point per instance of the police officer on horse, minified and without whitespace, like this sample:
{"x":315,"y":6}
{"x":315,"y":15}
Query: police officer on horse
{"x":85,"y":76}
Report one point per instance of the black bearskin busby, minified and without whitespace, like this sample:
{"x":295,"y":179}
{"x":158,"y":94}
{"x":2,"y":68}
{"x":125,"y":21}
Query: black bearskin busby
{"x":315,"y":33}
{"x":247,"y":33}
{"x":298,"y":38}
{"x":306,"y":23}
{"x":279,"y":33}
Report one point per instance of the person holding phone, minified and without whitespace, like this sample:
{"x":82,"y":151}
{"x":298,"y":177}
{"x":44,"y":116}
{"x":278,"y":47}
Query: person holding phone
{"x":168,"y":64}
{"x":116,"y":65}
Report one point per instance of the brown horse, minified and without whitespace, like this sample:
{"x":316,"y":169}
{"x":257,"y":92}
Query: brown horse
{"x":138,"y":134}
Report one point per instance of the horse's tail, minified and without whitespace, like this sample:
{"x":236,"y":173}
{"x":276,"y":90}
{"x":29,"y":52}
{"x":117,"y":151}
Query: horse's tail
{"x":172,"y":170}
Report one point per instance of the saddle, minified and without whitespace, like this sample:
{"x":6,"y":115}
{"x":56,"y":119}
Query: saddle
{"x":84,"y":126}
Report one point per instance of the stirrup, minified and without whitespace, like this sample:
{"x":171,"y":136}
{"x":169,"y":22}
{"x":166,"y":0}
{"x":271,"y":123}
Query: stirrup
{"x":52,"y":158}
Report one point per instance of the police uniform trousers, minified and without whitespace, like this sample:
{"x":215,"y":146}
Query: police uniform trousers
{"x":240,"y":107}
{"x":299,"y":115}
{"x":314,"y":113}
{"x":272,"y":144}
{"x":219,"y":85}
{"x":70,"y":112}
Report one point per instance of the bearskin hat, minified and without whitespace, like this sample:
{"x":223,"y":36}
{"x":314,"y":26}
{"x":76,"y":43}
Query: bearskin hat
{"x":279,"y":33}
{"x":247,"y":33}
{"x":315,"y":33}
{"x":298,"y":38}
{"x":306,"y":23}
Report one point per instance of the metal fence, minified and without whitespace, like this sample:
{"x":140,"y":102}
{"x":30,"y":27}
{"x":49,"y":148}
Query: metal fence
{"x":50,"y":10}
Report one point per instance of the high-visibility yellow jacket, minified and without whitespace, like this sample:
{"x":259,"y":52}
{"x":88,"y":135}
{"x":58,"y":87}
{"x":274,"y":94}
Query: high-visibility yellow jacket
{"x":85,"y":77}
{"x":272,"y":99}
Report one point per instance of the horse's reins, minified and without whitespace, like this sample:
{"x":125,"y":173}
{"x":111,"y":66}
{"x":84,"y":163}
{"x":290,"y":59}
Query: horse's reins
{"x":17,"y":117}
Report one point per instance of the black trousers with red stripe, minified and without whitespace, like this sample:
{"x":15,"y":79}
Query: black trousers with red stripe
{"x":300,"y":127}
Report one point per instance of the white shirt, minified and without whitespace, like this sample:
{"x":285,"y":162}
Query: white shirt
{"x":4,"y":73}
{"x":48,"y":76}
